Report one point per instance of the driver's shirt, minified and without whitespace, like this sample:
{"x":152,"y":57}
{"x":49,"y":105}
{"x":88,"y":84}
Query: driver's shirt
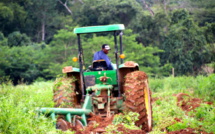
{"x":101,"y":55}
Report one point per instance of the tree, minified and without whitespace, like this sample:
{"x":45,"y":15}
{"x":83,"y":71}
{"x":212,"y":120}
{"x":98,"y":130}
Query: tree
{"x":107,"y":12}
{"x":3,"y":40}
{"x":148,"y":8}
{"x":61,"y":50}
{"x":18,"y":39}
{"x":151,"y":30}
{"x":12,"y":16}
{"x":185,"y":44}
{"x":18,"y":63}
{"x":209,"y":31}
{"x":146,"y":56}
{"x":43,"y":16}
{"x":203,"y":11}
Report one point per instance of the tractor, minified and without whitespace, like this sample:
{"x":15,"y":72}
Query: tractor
{"x":99,"y":91}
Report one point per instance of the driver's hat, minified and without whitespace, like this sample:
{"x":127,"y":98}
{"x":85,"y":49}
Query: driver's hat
{"x":106,"y":46}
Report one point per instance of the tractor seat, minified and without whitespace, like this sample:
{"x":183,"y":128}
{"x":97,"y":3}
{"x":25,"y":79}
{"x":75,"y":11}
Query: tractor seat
{"x":99,"y":65}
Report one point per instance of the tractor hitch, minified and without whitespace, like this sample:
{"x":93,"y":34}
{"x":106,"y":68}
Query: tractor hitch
{"x":69,"y":113}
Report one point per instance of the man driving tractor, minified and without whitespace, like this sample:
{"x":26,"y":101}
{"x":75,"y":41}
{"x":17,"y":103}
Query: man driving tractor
{"x":102,"y":54}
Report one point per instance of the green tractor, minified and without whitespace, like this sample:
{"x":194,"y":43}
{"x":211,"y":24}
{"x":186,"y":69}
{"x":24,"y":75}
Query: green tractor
{"x":99,"y":91}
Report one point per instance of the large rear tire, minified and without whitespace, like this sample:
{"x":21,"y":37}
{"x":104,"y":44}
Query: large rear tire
{"x":65,"y":92}
{"x":65,"y":96}
{"x":138,"y":98}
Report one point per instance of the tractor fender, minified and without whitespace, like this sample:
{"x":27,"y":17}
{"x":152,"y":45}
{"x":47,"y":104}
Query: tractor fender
{"x":74,"y":72}
{"x":129,"y":64}
{"x":124,"y":69}
{"x":70,"y":69}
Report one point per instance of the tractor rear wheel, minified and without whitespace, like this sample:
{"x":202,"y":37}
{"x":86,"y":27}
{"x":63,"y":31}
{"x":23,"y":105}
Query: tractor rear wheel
{"x":138,"y":98}
{"x":65,"y":94}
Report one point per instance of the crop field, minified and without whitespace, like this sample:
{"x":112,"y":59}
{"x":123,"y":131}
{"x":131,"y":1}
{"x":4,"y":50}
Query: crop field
{"x":180,"y":104}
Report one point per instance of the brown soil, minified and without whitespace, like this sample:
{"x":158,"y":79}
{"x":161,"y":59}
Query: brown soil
{"x":121,"y":128}
{"x":154,"y":99}
{"x":97,"y":124}
{"x":186,"y":102}
{"x":188,"y":131}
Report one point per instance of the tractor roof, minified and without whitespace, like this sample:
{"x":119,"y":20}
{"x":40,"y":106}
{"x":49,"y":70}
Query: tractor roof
{"x":95,"y":29}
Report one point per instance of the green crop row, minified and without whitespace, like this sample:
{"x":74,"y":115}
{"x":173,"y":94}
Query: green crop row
{"x":200,"y":86}
{"x":18,"y":108}
{"x":167,"y":116}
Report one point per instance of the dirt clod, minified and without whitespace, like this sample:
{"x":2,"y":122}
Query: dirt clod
{"x":186,"y":102}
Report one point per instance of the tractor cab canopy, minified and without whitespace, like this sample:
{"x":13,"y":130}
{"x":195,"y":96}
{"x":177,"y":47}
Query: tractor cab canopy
{"x":96,"y":29}
{"x":115,"y":28}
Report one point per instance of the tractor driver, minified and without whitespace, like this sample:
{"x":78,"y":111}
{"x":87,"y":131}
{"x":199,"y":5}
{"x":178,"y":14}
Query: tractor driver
{"x":102,"y":54}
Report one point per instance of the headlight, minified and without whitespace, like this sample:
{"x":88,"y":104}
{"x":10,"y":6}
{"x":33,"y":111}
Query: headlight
{"x":75,"y":59}
{"x":122,"y":56}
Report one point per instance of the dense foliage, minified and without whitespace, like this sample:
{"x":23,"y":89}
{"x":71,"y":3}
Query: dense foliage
{"x":37,"y":39}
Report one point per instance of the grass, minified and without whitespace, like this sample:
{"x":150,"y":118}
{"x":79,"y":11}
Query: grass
{"x":200,"y":86}
{"x":165,"y":109}
{"x":19,"y":103}
{"x":18,"y":108}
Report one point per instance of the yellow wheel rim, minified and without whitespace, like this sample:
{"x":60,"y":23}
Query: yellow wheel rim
{"x":148,"y":105}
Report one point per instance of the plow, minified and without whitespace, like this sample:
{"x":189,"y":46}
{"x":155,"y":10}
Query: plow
{"x":82,"y":94}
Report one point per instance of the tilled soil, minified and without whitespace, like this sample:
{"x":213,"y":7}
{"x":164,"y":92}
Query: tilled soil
{"x":187,"y":103}
{"x":188,"y":131}
{"x":97,"y":124}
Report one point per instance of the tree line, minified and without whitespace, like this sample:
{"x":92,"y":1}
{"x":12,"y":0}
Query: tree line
{"x":37,"y":39}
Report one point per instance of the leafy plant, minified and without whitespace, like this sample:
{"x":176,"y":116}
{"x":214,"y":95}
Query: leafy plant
{"x":127,"y":119}
{"x":110,"y":129}
{"x":64,"y":83}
